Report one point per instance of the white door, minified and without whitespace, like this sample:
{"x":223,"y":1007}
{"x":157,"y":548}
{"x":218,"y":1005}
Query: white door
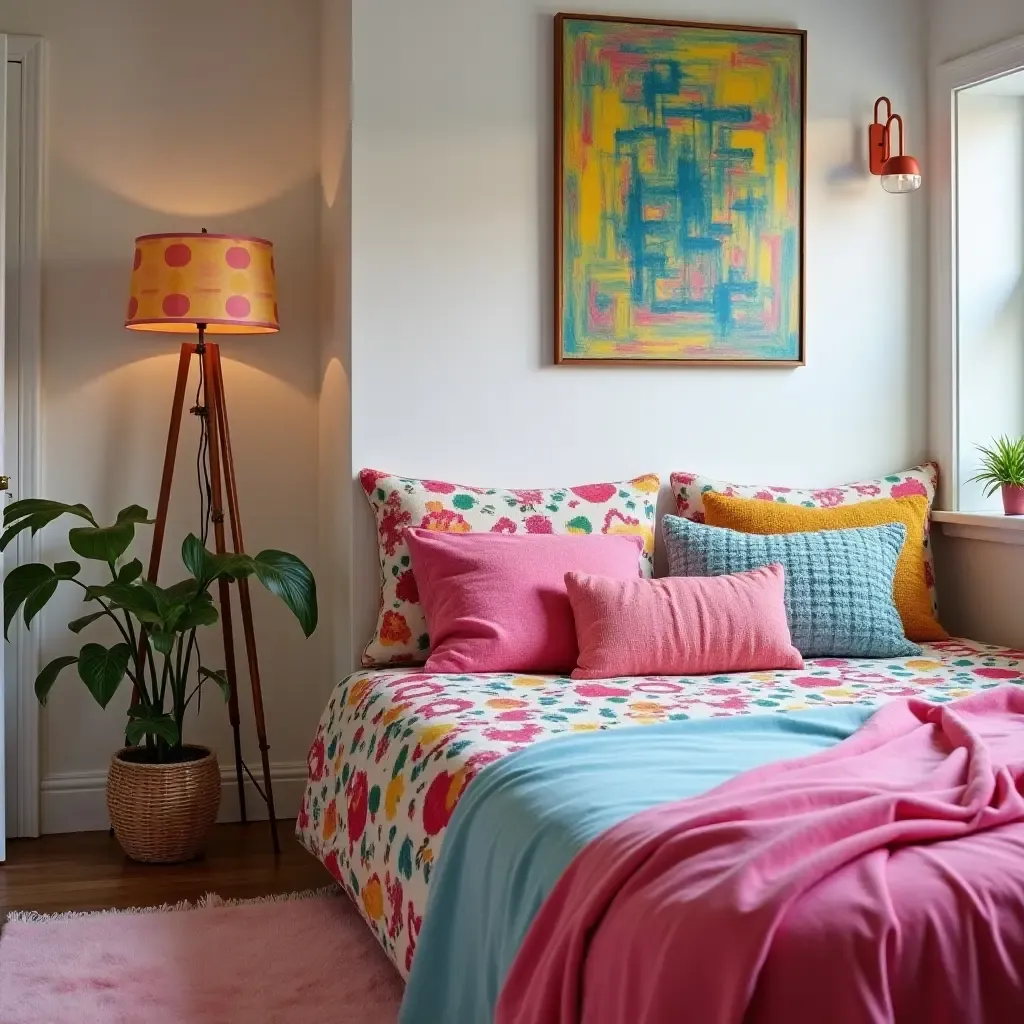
{"x":3,"y":331}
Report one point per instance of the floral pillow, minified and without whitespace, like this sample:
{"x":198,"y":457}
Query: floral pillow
{"x":400,"y":503}
{"x":689,"y":489}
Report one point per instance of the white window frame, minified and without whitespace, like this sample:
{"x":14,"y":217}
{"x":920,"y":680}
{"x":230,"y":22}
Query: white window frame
{"x":944,"y":406}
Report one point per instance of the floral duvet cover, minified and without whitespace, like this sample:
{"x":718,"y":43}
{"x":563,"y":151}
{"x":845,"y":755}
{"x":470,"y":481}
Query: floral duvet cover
{"x":395,"y":749}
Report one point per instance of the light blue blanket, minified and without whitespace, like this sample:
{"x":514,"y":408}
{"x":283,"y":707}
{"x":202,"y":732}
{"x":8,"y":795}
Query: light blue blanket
{"x":524,"y":818}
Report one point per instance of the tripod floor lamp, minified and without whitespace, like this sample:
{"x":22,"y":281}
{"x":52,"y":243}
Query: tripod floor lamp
{"x":207,"y":284}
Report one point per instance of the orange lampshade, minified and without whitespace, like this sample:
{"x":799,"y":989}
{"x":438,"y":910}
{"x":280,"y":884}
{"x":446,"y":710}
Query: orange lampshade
{"x":223,"y":281}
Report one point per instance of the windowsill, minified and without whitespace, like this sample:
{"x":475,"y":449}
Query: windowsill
{"x":991,"y":526}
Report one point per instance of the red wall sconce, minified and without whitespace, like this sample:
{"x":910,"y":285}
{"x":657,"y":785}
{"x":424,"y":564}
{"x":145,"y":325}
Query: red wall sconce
{"x":900,"y":173}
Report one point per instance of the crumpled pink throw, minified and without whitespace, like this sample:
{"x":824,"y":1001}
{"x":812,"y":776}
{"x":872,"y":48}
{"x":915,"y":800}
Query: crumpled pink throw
{"x":881,"y":880}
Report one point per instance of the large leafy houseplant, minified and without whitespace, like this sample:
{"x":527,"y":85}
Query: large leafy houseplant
{"x":158,"y":650}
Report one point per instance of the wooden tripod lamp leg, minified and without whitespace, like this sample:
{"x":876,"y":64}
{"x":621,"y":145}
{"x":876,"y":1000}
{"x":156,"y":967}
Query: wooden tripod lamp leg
{"x":160,"y":526}
{"x":210,"y":359}
{"x":220,"y":413}
{"x":170,"y":452}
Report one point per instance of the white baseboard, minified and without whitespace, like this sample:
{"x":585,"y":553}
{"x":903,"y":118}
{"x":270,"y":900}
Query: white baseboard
{"x":77,"y":801}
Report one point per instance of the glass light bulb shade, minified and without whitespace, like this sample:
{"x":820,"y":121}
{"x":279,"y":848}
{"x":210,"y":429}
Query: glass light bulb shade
{"x":901,"y":174}
{"x":898,"y":183}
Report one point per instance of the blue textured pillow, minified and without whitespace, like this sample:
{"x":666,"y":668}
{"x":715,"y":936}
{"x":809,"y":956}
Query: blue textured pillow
{"x":838,"y":582}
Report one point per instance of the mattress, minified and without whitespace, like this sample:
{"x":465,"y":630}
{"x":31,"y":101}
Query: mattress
{"x":395,"y":749}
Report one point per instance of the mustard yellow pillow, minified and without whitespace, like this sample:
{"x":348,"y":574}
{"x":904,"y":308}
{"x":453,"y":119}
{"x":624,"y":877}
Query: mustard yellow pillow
{"x":910,"y":585}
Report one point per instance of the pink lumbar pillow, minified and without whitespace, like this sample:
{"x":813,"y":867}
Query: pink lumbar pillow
{"x":682,"y":625}
{"x":497,"y":603}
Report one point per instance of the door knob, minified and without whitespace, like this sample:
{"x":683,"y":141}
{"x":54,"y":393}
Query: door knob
{"x":5,"y":483}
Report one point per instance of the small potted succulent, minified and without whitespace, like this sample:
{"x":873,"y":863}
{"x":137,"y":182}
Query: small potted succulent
{"x":162,"y":794}
{"x":1002,"y":468}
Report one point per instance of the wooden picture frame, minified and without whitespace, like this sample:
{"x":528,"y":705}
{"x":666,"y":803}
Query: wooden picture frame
{"x":679,"y":228}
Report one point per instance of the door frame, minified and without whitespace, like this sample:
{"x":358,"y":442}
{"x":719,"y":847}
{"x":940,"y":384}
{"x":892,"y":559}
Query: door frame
{"x":29,"y":51}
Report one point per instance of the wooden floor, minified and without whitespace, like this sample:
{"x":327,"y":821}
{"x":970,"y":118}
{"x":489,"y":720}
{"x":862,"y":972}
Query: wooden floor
{"x":88,"y":871}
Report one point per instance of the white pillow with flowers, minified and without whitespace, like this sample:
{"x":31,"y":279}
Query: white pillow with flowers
{"x":689,"y":489}
{"x":400,"y":503}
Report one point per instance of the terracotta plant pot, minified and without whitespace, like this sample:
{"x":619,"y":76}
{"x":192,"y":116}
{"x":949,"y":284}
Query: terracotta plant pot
{"x":161,"y":813}
{"x":1013,"y":499}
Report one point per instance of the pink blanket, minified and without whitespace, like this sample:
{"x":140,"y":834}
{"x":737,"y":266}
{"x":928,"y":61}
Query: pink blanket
{"x":881,"y":880}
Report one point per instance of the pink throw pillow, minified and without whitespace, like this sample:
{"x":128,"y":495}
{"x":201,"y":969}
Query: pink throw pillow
{"x":681,"y":625}
{"x":497,"y":603}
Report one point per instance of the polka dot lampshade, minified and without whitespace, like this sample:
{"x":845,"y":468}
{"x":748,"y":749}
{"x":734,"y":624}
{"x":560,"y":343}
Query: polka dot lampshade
{"x":223,"y":281}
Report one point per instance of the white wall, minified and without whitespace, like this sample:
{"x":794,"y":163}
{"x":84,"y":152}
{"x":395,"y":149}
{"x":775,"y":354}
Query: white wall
{"x":451,"y":279}
{"x":172,"y":115}
{"x":956,"y":27}
{"x":979,"y":582}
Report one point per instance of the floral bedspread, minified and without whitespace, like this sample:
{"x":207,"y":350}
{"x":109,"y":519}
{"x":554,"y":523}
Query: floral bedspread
{"x":395,"y":749}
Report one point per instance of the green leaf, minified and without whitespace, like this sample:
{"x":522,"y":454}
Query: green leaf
{"x":66,"y":570}
{"x":36,"y":521}
{"x":102,"y":543}
{"x":196,"y":557}
{"x":220,"y":677}
{"x":199,"y":613}
{"x":206,"y":566}
{"x":162,"y":726}
{"x":171,"y":603}
{"x":182,"y":593}
{"x":184,"y":590}
{"x":77,"y":625}
{"x":102,"y":669}
{"x":133,"y":597}
{"x":34,"y":514}
{"x":163,"y":643}
{"x":235,"y":566}
{"x":134,"y":514}
{"x":36,"y":601}
{"x":20,"y":586}
{"x":46,"y":678}
{"x":289,"y":578}
{"x":130,"y":571}
{"x":163,"y":599}
{"x":34,"y":506}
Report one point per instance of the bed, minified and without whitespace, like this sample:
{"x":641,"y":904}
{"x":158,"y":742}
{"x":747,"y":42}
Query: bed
{"x":395,"y":749}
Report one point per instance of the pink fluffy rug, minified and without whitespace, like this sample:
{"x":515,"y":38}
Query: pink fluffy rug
{"x":295,"y":961}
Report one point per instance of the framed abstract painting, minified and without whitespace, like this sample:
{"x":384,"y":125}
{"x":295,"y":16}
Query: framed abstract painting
{"x":679,"y":193}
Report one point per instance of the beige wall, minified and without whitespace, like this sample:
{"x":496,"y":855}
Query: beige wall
{"x":335,"y":337}
{"x":981,"y":584}
{"x":981,"y":587}
{"x":167,"y":115}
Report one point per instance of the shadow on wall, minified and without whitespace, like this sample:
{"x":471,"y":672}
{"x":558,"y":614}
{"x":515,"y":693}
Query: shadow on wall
{"x":86,"y":289}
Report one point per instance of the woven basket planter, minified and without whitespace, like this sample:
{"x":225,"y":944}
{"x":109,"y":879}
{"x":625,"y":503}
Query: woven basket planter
{"x":161,"y":813}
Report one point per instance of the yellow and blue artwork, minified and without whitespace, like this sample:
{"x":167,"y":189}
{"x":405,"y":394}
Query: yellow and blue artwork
{"x":679,"y":192}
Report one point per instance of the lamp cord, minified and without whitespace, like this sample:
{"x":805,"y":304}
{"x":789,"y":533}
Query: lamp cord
{"x":202,"y":458}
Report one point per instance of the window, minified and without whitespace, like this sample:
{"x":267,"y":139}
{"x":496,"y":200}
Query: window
{"x":976,"y":176}
{"x":989,"y":273}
